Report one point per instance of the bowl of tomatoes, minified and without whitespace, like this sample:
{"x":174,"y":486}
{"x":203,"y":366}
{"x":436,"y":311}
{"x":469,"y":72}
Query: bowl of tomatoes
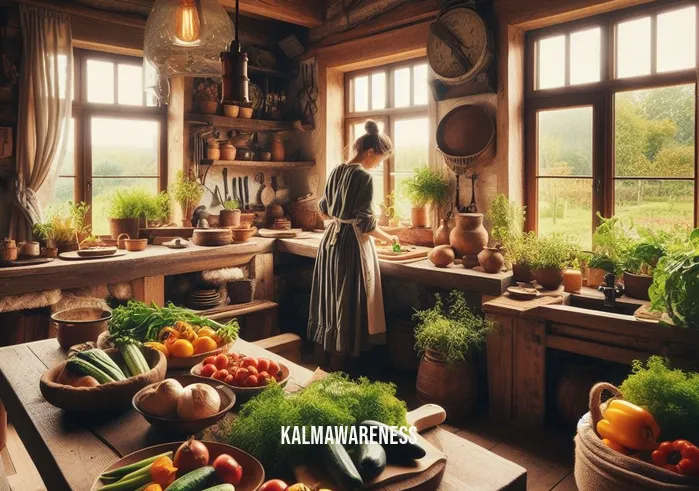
{"x":246,"y":375}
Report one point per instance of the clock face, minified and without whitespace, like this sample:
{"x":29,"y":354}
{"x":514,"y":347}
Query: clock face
{"x":466,"y":26}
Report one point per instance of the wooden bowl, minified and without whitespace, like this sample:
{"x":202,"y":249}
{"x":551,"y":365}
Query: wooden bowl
{"x":253,"y":472}
{"x":75,"y":326}
{"x":135,"y":245}
{"x":211,"y":237}
{"x":174,"y":424}
{"x":107,"y":397}
{"x":243,"y":394}
{"x":243,"y":233}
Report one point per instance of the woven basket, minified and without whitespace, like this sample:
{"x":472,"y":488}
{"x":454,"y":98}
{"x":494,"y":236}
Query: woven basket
{"x":241,"y":291}
{"x":466,"y":138}
{"x":305,"y":212}
{"x":599,"y":468}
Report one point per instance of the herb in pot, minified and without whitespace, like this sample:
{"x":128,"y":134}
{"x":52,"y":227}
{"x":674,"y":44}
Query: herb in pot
{"x":426,"y":187}
{"x":231,"y":204}
{"x":186,"y":192}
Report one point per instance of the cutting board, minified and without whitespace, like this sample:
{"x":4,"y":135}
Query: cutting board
{"x":426,"y":473}
{"x":412,"y":252}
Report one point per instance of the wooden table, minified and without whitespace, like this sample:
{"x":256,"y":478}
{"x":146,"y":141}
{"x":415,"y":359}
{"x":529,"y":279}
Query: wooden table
{"x":70,"y":451}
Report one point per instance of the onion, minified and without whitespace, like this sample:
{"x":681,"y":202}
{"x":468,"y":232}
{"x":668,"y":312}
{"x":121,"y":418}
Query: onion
{"x":161,"y":399}
{"x":191,"y":455}
{"x":198,"y":401}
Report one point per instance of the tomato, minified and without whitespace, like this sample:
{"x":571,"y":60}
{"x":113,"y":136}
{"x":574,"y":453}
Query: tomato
{"x":263,"y":379}
{"x":208,"y":370}
{"x":221,"y":361}
{"x":273,"y":369}
{"x":262,"y":364}
{"x":253,"y":370}
{"x":234,"y":357}
{"x":251,"y":381}
{"x":210,"y":360}
{"x":241,"y":375}
{"x":274,"y":485}
{"x":221,"y":375}
{"x":249,"y":362}
{"x":228,"y":470}
{"x":230,"y":380}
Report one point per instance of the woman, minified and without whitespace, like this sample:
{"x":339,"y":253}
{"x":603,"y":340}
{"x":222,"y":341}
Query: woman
{"x":346,"y":312}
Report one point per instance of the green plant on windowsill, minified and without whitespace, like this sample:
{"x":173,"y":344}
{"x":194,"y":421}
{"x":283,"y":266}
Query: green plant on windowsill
{"x":610,"y":245}
{"x":506,"y":219}
{"x":389,"y":214}
{"x":231,"y":205}
{"x":554,"y":251}
{"x":187,"y":193}
{"x":135,"y":203}
{"x":45,"y":233}
{"x":520,"y":249}
{"x":64,"y":224}
{"x":426,"y":187}
{"x":450,"y":329}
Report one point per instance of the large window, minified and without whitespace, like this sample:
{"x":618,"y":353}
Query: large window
{"x":394,"y":96}
{"x":116,"y":135}
{"x":611,"y":120}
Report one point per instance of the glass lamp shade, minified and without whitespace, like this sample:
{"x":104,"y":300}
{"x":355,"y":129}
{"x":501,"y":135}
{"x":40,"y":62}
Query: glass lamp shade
{"x":187,"y":37}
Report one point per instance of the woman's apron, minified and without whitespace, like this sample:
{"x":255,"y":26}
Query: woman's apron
{"x":370,"y":273}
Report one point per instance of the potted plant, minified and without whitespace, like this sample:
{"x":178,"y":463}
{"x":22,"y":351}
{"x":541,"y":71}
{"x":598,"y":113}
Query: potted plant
{"x":65,"y":227}
{"x":519,"y":252}
{"x":446,"y":336}
{"x":553,"y":254}
{"x":389,"y":214}
{"x":44,"y":232}
{"x":230,"y":215}
{"x":163,"y":209}
{"x":642,"y":258}
{"x":425,"y":187}
{"x":506,"y":221}
{"x":206,"y":96}
{"x":610,"y":244}
{"x":129,"y":210}
{"x":187,"y":192}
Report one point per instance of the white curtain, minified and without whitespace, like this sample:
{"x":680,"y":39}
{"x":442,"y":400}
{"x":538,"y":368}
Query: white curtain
{"x":45,"y":107}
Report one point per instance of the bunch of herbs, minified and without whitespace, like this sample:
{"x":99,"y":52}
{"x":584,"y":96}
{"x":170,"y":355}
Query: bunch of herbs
{"x":426,"y":187}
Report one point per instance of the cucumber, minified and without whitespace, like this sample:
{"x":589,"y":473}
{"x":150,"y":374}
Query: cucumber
{"x":370,"y":460}
{"x":340,"y":466}
{"x":78,"y":365}
{"x":194,"y":481}
{"x":402,"y":451}
{"x":101,"y":360}
{"x":222,"y":487}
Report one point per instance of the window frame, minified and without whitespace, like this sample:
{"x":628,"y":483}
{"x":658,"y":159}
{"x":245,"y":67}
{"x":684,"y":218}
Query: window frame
{"x":389,"y":115}
{"x":601,"y":96}
{"x":83,"y":112}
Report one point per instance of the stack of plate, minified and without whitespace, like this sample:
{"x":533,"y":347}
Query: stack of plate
{"x":204,"y":299}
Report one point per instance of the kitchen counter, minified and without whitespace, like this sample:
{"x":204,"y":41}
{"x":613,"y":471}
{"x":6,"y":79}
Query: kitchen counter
{"x":421,"y":271}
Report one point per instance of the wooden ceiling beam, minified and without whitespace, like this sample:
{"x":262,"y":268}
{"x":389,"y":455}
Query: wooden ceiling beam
{"x":306,"y":13}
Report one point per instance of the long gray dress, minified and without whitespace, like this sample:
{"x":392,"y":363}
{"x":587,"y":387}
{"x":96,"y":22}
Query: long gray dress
{"x":338,"y":310}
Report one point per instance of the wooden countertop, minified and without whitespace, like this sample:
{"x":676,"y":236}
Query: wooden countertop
{"x":155,"y":260}
{"x":70,"y":450}
{"x":422,"y":271}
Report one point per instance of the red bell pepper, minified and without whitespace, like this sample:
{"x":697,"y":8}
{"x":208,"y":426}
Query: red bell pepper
{"x":679,"y":456}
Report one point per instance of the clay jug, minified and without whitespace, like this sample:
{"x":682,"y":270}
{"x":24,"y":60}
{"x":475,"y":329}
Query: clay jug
{"x":441,"y":236}
{"x":469,"y":236}
{"x":277,"y":149}
{"x":491,"y":260}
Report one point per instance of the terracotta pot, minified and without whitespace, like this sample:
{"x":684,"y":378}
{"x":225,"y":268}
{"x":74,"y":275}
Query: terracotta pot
{"x":491,"y":260}
{"x":231,"y":111}
{"x":637,"y":285}
{"x":228,"y":153}
{"x":441,"y":256}
{"x":118,"y":226}
{"x":453,"y":388}
{"x":50,"y":252}
{"x":549,"y":278}
{"x":229,"y":218}
{"x":75,"y":326}
{"x":441,"y":236}
{"x":277,"y":149}
{"x":469,"y":236}
{"x":213,"y":153}
{"x":136,"y":245}
{"x":418,"y":214}
{"x":208,"y":107}
{"x":595,"y":277}
{"x":67,"y":246}
{"x":522,"y":273}
{"x":245,"y":112}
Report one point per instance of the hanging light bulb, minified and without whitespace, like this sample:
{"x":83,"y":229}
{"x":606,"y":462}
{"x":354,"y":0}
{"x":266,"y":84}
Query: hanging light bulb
{"x":188,"y":28}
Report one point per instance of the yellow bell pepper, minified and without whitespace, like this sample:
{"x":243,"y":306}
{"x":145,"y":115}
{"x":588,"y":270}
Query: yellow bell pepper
{"x":629,"y":426}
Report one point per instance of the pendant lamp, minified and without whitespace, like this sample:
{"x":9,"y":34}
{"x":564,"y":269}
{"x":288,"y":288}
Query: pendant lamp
{"x":186,"y":38}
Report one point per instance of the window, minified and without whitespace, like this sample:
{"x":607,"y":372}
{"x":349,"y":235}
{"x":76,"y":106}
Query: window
{"x":610,"y":128}
{"x":394,"y":96}
{"x":116,"y":135}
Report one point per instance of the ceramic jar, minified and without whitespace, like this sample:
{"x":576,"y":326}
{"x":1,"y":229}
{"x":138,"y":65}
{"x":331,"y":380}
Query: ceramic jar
{"x":277,"y":149}
{"x":469,"y":236}
{"x":228,"y":152}
{"x":441,"y":236}
{"x":491,"y":260}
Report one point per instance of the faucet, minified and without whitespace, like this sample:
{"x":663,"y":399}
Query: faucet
{"x":611,"y":292}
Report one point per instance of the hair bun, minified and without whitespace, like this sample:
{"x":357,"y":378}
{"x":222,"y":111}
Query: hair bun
{"x":371,"y":127}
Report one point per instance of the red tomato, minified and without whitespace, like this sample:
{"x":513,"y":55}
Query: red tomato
{"x":221,"y":361}
{"x":230,"y":380}
{"x":241,"y":375}
{"x":208,"y":370}
{"x":262,"y":364}
{"x":263,"y":379}
{"x":234,"y":357}
{"x":209,"y":360}
{"x":273,"y":369}
{"x":251,"y":381}
{"x":221,"y":375}
{"x":248,"y":362}
{"x":228,"y":470}
{"x":253,"y":370}
{"x":274,"y":485}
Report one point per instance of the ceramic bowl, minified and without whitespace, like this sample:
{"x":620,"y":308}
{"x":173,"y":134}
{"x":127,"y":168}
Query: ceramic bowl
{"x":243,"y":394}
{"x":243,"y":233}
{"x":174,"y":424}
{"x":135,"y":245}
{"x":75,"y":326}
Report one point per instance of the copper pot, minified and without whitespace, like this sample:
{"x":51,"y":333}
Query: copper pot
{"x":469,"y":236}
{"x":75,"y":326}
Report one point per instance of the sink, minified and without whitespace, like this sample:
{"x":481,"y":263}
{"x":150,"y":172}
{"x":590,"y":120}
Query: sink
{"x":597,"y":304}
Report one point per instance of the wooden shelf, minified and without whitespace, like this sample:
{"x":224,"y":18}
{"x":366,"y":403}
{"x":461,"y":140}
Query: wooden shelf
{"x":251,"y":125}
{"x":257,"y":164}
{"x":237,"y":310}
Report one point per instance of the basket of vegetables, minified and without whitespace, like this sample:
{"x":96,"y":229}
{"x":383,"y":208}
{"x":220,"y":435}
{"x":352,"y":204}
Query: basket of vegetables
{"x":641,"y":438}
{"x":182,"y":336}
{"x":102,"y":380}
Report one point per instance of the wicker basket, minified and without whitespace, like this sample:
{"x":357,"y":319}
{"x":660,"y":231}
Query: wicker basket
{"x":305,"y":212}
{"x":466,"y":138}
{"x":241,"y":291}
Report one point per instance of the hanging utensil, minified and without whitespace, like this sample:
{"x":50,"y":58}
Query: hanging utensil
{"x":240,"y":193}
{"x":225,"y":183}
{"x":472,"y":208}
{"x":234,"y":191}
{"x":216,"y":201}
{"x":260,"y":180}
{"x":247,"y":191}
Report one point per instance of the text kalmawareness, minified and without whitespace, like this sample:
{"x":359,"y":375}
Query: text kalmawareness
{"x":347,"y":435}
